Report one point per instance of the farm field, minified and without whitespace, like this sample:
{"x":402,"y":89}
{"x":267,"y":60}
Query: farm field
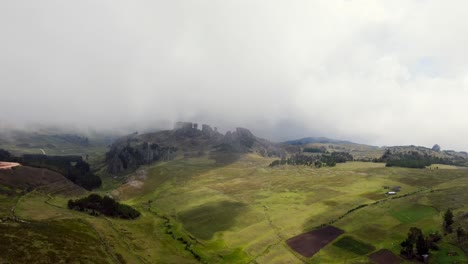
{"x":250,"y":210}
{"x":246,"y":211}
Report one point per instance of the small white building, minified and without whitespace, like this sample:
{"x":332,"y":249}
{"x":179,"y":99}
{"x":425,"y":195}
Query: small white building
{"x":391,"y":193}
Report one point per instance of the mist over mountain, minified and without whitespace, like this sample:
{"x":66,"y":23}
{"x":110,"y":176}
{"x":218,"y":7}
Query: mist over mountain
{"x":380,"y":73}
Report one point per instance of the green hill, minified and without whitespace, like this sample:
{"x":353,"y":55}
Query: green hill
{"x":206,"y":197}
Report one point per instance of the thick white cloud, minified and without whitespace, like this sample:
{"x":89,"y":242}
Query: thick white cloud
{"x":380,"y":72}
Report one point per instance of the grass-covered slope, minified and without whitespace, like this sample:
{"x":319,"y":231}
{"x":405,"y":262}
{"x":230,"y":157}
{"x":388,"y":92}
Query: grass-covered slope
{"x":196,"y":210}
{"x":245,"y":211}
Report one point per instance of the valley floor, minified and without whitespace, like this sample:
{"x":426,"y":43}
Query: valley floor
{"x":194,"y":210}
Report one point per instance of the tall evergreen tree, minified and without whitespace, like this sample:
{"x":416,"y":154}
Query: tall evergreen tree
{"x":448,"y":218}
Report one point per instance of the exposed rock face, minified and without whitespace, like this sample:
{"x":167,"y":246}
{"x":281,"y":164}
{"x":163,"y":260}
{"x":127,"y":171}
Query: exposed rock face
{"x":131,"y":157}
{"x":187,"y":129}
{"x":183,"y":126}
{"x":243,"y":141}
{"x":185,"y":139}
{"x":208,"y":131}
{"x":240,"y":140}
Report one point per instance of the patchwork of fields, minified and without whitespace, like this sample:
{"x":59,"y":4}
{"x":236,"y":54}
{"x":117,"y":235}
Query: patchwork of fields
{"x":245,"y":212}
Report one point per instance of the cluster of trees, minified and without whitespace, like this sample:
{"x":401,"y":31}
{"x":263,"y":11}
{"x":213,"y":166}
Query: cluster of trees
{"x":412,"y":159}
{"x":95,"y":205}
{"x":82,"y":175}
{"x":416,"y":245}
{"x":5,"y":155}
{"x":340,"y":157}
{"x":315,"y":150}
{"x":318,"y":161}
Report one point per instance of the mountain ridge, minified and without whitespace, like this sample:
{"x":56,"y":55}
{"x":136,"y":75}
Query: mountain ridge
{"x":186,"y":139}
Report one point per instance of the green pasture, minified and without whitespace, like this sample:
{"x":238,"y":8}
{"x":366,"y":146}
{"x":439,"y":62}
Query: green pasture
{"x":413,"y":213}
{"x":353,"y":245}
{"x":243,"y":212}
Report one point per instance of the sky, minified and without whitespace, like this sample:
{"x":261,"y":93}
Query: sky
{"x":376,"y":72}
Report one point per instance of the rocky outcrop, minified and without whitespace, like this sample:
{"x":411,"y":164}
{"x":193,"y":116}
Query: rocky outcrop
{"x":240,"y":140}
{"x":130,"y":157}
{"x":187,"y":140}
{"x":243,"y":141}
{"x":208,"y":131}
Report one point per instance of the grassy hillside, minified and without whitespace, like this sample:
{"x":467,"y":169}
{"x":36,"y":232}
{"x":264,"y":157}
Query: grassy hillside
{"x":246,"y":211}
{"x":194,"y":210}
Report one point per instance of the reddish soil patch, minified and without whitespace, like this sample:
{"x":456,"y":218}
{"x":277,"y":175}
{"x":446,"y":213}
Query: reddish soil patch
{"x":7,"y":165}
{"x":24,"y":177}
{"x":384,"y":256}
{"x":309,"y":243}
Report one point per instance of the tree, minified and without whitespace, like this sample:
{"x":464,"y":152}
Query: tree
{"x":417,"y":238}
{"x":432,"y":239}
{"x":448,"y":219}
{"x":414,"y":234}
{"x":421,"y":245}
{"x":407,"y":248}
{"x":413,"y":238}
{"x":436,"y":147}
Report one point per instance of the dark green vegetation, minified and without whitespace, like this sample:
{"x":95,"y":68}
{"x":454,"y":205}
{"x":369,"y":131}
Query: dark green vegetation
{"x":420,"y":159}
{"x":416,"y":160}
{"x":94,"y":204}
{"x":315,"y":150}
{"x":353,"y":245}
{"x":318,"y":161}
{"x":448,"y":220}
{"x":416,"y":245}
